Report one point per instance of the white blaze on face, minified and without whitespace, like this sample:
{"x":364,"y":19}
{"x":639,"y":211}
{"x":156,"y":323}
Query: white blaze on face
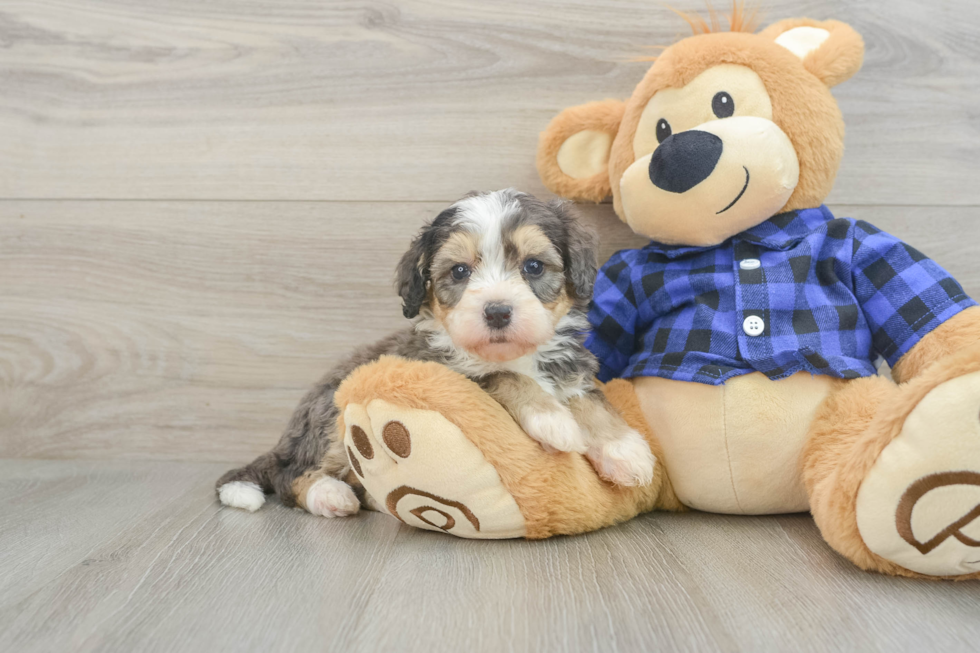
{"x":493,"y":280}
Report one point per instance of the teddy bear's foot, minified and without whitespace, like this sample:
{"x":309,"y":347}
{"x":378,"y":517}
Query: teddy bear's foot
{"x":919,"y":505}
{"x":420,"y":468}
{"x":434,"y":450}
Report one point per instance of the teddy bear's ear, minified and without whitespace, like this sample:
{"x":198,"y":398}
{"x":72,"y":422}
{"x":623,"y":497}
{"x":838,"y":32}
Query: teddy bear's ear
{"x":830,"y":49}
{"x":573,"y":152}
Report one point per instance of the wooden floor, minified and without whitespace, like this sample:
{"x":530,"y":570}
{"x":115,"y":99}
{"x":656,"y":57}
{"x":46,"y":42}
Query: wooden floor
{"x":136,"y":556}
{"x":200,"y":208}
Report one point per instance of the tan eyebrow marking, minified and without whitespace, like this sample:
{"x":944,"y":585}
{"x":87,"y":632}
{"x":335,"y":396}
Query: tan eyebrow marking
{"x":461,"y":247}
{"x":529,"y":240}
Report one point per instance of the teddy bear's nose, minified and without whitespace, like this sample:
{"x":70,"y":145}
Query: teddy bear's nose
{"x":684,"y":160}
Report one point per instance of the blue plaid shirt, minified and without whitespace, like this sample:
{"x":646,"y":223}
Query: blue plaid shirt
{"x":831,"y":293}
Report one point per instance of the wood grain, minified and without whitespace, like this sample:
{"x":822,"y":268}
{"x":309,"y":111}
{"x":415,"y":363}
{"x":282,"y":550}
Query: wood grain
{"x":174,"y":330}
{"x":157,"y":565}
{"x":417,"y":99}
{"x":189,"y":330}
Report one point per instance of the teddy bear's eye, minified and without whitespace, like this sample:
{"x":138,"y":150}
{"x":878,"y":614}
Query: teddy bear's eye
{"x":663,"y":130}
{"x":723,"y":105}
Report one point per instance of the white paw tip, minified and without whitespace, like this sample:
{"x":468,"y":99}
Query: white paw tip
{"x":557,"y":431}
{"x":625,"y":461}
{"x":330,"y":497}
{"x":241,"y":494}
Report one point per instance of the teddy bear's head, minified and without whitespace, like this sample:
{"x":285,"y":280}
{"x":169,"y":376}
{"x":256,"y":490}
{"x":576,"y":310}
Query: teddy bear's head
{"x":725,"y":130}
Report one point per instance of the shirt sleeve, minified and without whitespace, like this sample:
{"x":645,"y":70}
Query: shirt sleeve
{"x":904,"y":294}
{"x":613,"y":316}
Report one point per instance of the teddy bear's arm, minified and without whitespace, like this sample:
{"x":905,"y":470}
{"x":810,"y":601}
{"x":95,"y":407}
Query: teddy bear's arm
{"x":955,"y":335}
{"x":614,"y":316}
{"x":916,"y":311}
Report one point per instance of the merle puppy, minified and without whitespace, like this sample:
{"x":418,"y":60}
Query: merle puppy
{"x":497,"y":284}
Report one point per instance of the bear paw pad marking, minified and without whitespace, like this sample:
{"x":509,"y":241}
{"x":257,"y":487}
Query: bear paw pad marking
{"x":414,"y":495}
{"x":423,"y":470}
{"x":361,"y":441}
{"x":917,"y":491}
{"x":356,"y":466}
{"x":398,"y":439}
{"x":448,"y":521}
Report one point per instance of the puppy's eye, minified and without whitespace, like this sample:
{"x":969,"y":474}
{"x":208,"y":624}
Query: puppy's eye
{"x":533,"y":267}
{"x":723,"y":105}
{"x":460,"y":271}
{"x":663,"y":130}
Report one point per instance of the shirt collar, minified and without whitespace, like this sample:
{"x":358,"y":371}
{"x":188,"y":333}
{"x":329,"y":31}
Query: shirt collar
{"x":779,"y":232}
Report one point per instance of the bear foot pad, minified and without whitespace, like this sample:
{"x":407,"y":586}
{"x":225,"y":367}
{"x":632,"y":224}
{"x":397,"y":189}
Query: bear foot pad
{"x":420,"y":468}
{"x":919,"y":505}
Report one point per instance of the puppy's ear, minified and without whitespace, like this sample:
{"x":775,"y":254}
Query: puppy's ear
{"x":581,"y":255}
{"x":411,"y":277}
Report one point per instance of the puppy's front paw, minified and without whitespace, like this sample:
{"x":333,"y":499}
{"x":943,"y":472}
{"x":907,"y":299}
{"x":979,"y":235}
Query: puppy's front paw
{"x":330,"y":497}
{"x":627,"y":460}
{"x":556,"y":430}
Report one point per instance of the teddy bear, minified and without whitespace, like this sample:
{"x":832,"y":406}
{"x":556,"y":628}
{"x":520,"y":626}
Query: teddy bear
{"x":741,"y":342}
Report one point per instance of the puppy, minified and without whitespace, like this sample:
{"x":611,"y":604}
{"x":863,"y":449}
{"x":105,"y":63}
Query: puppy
{"x":499,"y":283}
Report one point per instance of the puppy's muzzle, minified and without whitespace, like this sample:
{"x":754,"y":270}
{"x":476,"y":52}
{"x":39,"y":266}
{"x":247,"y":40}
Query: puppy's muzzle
{"x":684,"y":160}
{"x":497,"y":315}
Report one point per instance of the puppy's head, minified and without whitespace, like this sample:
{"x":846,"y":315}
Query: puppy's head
{"x":497,"y":272}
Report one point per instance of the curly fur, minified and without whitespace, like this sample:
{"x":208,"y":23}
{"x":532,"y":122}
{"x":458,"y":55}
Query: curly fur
{"x":311,"y":445}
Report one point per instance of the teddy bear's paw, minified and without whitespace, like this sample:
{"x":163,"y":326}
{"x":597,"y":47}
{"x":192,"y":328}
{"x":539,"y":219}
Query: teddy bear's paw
{"x":420,"y":468}
{"x":627,"y":460}
{"x":919,"y":505}
{"x":556,"y":430}
{"x":330,"y":497}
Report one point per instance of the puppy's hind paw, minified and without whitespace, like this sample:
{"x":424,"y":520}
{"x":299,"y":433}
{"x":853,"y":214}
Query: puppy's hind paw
{"x":556,"y":430}
{"x":241,"y":494}
{"x":627,"y":460}
{"x":329,"y":497}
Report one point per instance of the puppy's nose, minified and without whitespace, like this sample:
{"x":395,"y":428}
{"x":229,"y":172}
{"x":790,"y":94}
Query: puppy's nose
{"x":684,"y":160}
{"x":497,"y":315}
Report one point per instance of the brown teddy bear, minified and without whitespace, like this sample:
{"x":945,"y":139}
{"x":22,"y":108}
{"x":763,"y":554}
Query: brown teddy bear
{"x":740,"y":342}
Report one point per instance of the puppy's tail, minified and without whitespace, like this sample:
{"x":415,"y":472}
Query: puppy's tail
{"x":247,"y":486}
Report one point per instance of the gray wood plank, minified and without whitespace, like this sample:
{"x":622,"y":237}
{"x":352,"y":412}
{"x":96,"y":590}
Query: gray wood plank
{"x":189,"y":330}
{"x":417,"y":100}
{"x":54,"y":516}
{"x":177,"y":572}
{"x":176,"y":327}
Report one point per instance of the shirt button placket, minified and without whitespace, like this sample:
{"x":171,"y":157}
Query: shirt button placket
{"x":752,"y":302}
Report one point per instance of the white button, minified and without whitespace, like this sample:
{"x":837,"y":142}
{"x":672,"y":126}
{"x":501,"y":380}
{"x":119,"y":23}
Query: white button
{"x":753,"y":326}
{"x":750,"y":264}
